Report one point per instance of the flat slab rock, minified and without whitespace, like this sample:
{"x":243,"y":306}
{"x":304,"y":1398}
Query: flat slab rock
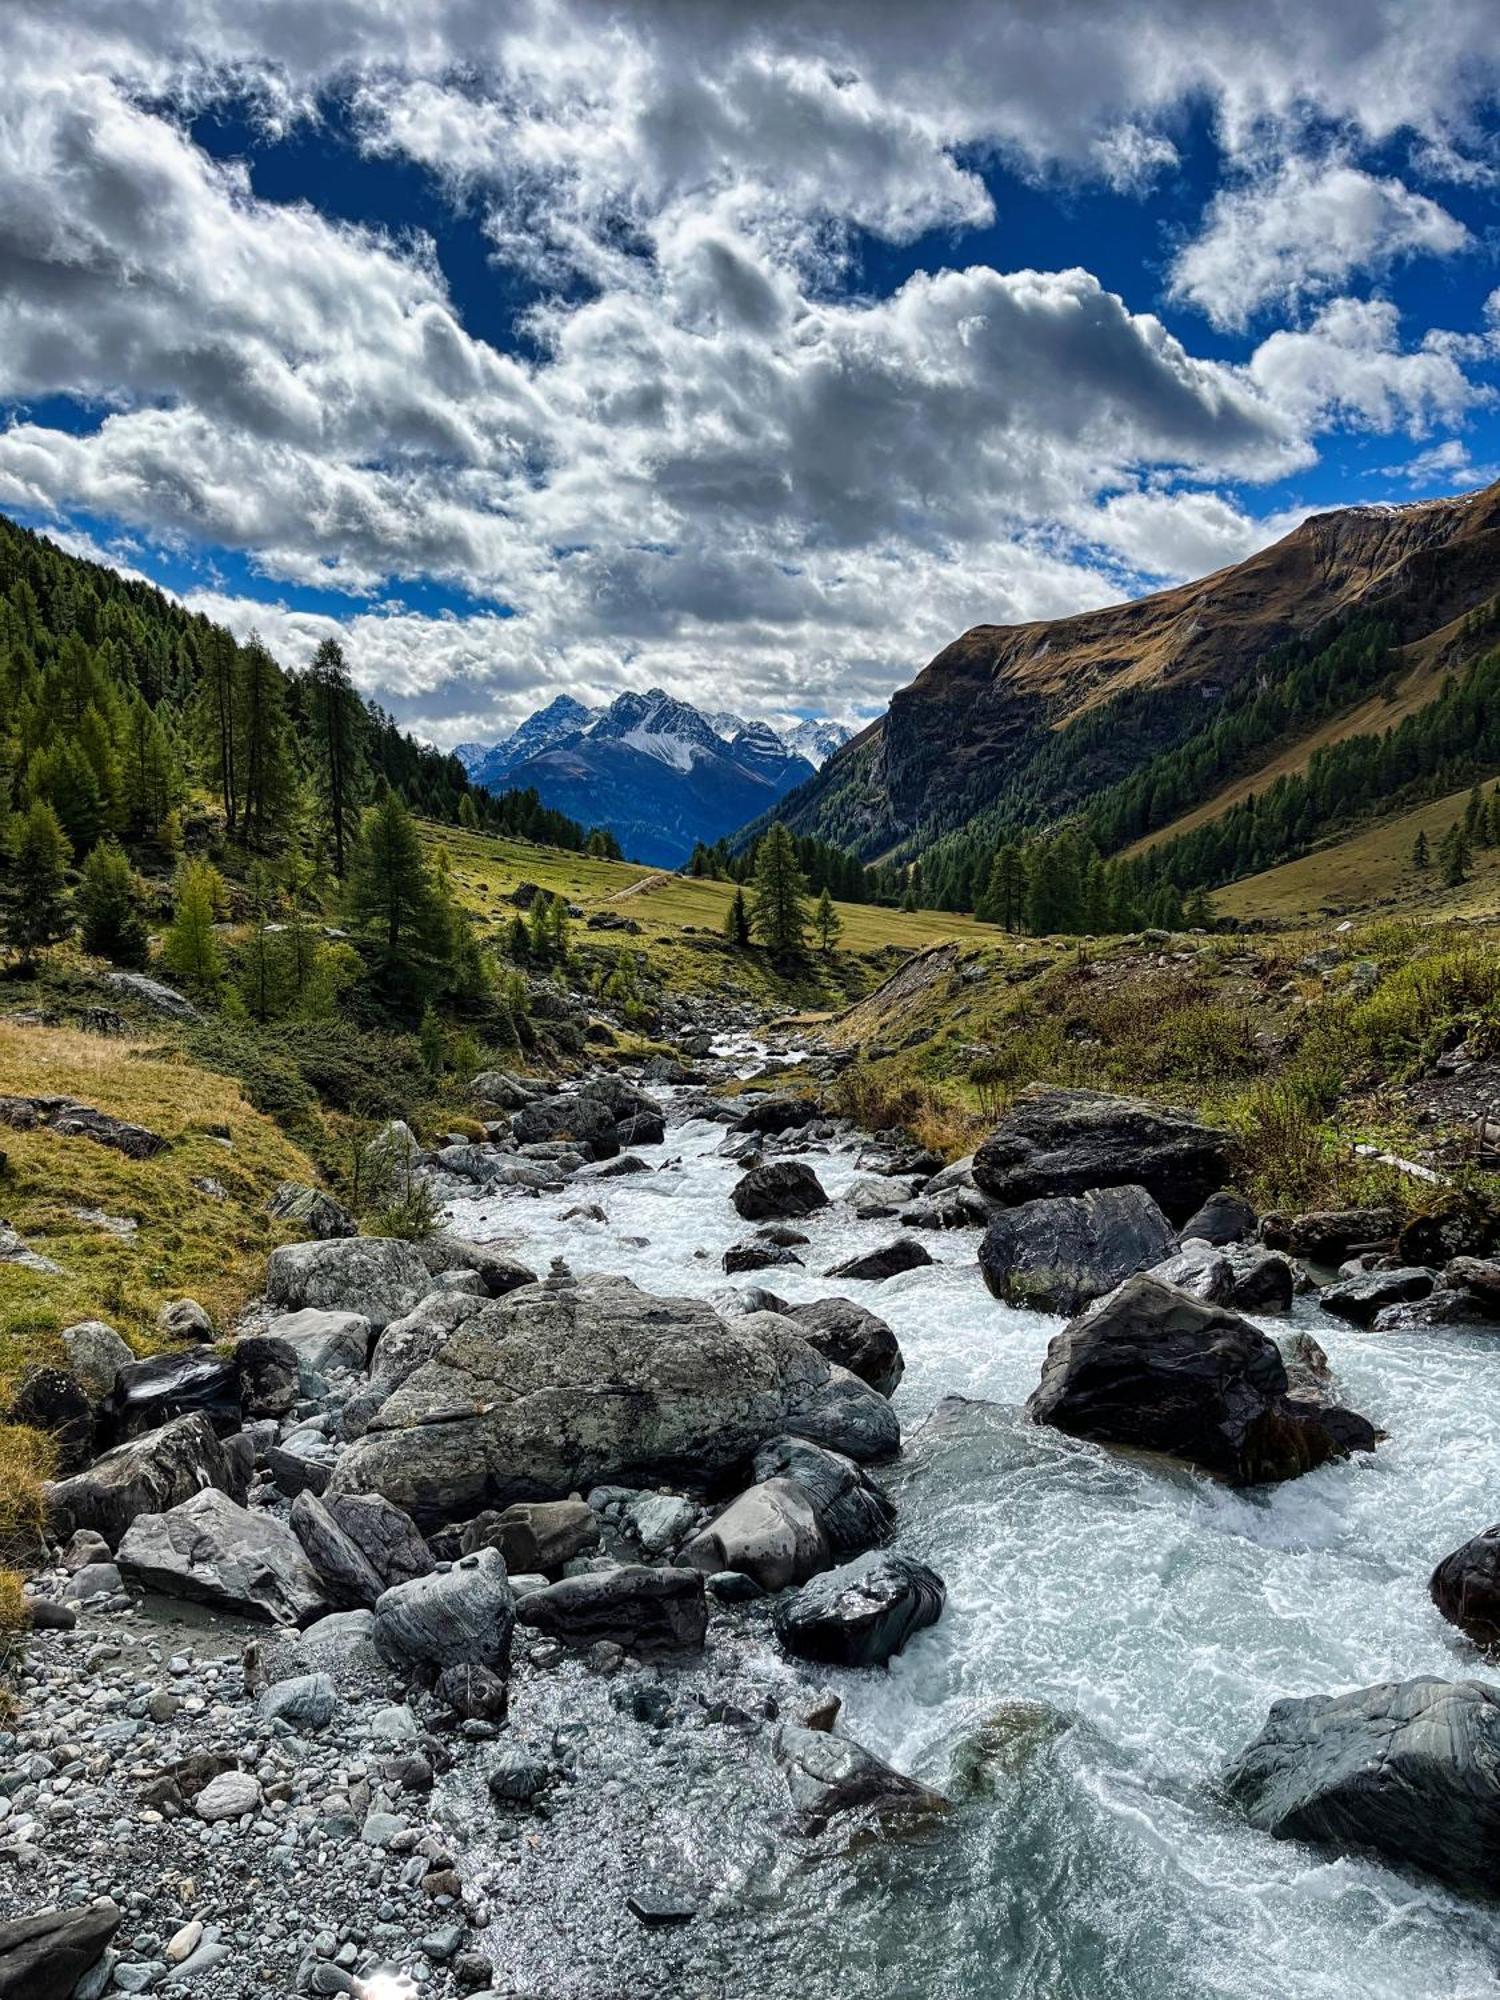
{"x":510,"y":1406}
{"x":43,"y":1957}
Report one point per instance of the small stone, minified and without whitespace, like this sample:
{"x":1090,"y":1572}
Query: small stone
{"x":440,"y":1945}
{"x":654,"y":1907}
{"x":185,"y":1943}
{"x":230,"y":1795}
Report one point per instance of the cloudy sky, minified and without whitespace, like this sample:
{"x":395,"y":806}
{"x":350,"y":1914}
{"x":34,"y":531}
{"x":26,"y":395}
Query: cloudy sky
{"x":751,"y":347}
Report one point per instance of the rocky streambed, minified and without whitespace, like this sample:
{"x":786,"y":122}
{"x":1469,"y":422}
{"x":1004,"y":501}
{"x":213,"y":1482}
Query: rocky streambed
{"x":472,"y":1778}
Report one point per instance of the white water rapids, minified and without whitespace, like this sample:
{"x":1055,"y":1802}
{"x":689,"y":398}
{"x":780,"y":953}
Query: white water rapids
{"x":1157,"y":1613}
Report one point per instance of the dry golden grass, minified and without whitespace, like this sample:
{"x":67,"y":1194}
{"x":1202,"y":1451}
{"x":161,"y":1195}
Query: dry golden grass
{"x":187,"y":1241}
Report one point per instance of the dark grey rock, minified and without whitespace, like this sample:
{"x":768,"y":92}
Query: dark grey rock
{"x":905,"y":1253}
{"x":863,"y":1612}
{"x":149,"y":1393}
{"x":650,"y":1611}
{"x":757,"y":1255}
{"x":773,"y":1114}
{"x":1360,"y":1299}
{"x":1408,"y":1768}
{"x":1151,"y":1368}
{"x":1069,"y":1142}
{"x":1465,"y":1587}
{"x":1224,"y":1218}
{"x":388,"y":1539}
{"x":348,"y":1577}
{"x":269,"y":1375}
{"x":1264,"y":1280}
{"x":779,"y":1188}
{"x":1058,"y":1253}
{"x":854,"y":1338}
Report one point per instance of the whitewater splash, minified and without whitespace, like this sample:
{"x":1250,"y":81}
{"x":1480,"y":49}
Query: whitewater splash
{"x":1115,"y":1631}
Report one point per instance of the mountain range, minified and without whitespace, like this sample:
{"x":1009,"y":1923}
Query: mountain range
{"x":657,"y":772}
{"x":1015,"y":726}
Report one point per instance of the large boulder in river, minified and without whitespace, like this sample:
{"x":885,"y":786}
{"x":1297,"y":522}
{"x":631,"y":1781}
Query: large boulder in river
{"x":1408,"y":1768}
{"x":855,"y":1339}
{"x":216,"y":1553}
{"x":1466,"y":1588}
{"x":1151,"y":1368}
{"x":1057,"y":1142}
{"x":148,"y":1475}
{"x":569,"y":1384}
{"x":1058,"y":1253}
{"x":378,"y":1277}
{"x":780,"y":1188}
{"x":1360,"y":1299}
{"x":588,"y":1120}
{"x":862,"y":1613}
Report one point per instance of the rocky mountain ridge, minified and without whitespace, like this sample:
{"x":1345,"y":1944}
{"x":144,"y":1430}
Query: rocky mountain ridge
{"x":956,"y":737}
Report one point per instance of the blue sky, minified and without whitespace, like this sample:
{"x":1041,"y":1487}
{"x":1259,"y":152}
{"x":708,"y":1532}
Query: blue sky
{"x":753,"y":350}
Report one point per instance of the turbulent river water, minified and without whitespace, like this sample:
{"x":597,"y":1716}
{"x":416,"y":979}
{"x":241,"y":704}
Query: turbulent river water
{"x":1115,"y":1630}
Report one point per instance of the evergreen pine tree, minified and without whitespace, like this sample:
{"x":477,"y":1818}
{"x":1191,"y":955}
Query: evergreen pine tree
{"x":109,"y":908}
{"x":263,"y":762}
{"x":190,"y":948}
{"x":35,"y":904}
{"x":336,"y":717}
{"x":737,"y":920}
{"x":468,"y":813}
{"x":1420,"y":855}
{"x":394,"y":906}
{"x":778,"y":911}
{"x":827,"y":923}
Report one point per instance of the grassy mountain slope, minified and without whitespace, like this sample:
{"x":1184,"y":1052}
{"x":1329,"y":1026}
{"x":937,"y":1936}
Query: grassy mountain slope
{"x":681,"y":919}
{"x":976,"y":728}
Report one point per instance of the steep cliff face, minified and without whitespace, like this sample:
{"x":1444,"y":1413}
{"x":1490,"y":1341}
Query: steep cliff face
{"x":953,"y":739}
